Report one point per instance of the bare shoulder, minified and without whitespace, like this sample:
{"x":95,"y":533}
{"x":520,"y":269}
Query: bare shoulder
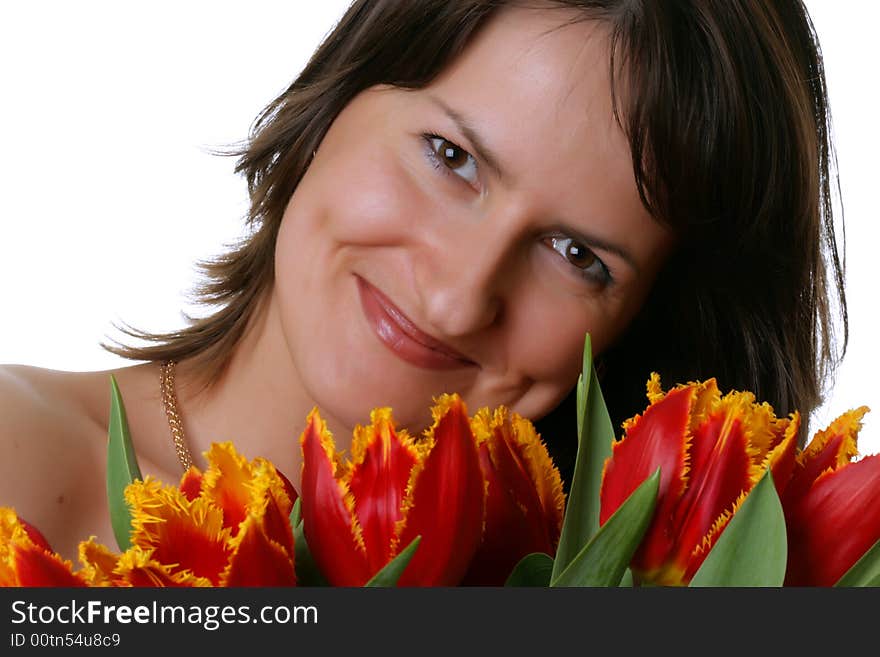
{"x":41,"y":412}
{"x":53,"y":447}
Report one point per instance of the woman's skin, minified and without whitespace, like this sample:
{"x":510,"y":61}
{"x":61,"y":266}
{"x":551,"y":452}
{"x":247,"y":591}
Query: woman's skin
{"x":458,"y":238}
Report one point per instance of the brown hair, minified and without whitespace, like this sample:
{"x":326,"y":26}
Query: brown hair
{"x":724,"y":105}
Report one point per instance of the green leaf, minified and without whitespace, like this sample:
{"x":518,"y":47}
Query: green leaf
{"x":595,"y":438}
{"x":604,"y":560}
{"x":532,"y":570}
{"x":627,"y":579}
{"x":752,"y":550}
{"x":122,"y":467}
{"x":865,"y":571}
{"x":307,"y":571}
{"x":392,"y":570}
{"x":296,"y":513}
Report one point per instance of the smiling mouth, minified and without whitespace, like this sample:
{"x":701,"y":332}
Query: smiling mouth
{"x":400,"y":335}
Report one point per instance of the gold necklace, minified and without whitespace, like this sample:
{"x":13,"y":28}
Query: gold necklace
{"x":169,"y":403}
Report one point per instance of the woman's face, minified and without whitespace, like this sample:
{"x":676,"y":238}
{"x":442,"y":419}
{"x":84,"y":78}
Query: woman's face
{"x":465,"y":236}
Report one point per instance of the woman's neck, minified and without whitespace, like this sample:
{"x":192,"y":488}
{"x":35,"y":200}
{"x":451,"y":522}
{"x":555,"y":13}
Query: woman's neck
{"x":258,"y":403}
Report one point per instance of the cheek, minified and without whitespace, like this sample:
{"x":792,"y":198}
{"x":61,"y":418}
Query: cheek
{"x":362,"y":197}
{"x":550,"y":336}
{"x":549,"y":343}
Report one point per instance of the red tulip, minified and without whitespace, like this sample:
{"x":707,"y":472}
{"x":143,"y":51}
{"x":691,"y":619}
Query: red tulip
{"x":831,"y":505}
{"x":711,"y":451}
{"x":524,"y":503}
{"x":26,"y":558}
{"x":358,"y":514}
{"x":228,"y":526}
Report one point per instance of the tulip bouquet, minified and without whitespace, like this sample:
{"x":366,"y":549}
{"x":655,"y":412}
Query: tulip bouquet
{"x":702,"y":489}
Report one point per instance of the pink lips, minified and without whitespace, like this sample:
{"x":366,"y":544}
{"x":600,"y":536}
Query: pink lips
{"x":400,"y":335}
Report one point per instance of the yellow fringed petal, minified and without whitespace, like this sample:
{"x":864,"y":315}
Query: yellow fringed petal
{"x":226,"y":482}
{"x":138,"y":567}
{"x":545,"y":474}
{"x":11,"y":530}
{"x":847,"y":425}
{"x":441,"y":407}
{"x":98,"y":561}
{"x":340,"y":470}
{"x":154,"y":505}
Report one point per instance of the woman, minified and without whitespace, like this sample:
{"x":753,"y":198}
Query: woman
{"x":447,"y":199}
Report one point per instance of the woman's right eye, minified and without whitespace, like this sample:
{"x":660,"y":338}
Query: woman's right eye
{"x":449,"y":157}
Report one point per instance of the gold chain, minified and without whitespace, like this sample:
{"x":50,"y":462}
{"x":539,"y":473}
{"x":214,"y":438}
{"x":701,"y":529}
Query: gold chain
{"x":169,"y":402}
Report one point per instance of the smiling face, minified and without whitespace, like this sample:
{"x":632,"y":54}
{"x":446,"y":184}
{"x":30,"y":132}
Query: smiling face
{"x":465,"y":236}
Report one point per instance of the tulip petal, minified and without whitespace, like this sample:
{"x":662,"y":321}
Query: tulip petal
{"x":263,"y":548}
{"x":257,"y":560}
{"x":658,"y":438}
{"x":781,"y":459}
{"x":524,"y":500}
{"x":138,"y":568}
{"x":330,"y":526}
{"x":225,"y":483}
{"x":99,"y":563}
{"x":722,"y":467}
{"x":34,"y":566}
{"x":273,"y":489}
{"x":445,"y":501}
{"x":834,"y":523}
{"x":532,"y":456}
{"x":507,"y":536}
{"x":26,"y":558}
{"x":184,"y":535}
{"x":382,"y":461}
{"x":191,"y":483}
{"x":829,"y":449}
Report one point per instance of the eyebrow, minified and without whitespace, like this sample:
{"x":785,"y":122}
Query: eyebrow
{"x":482,"y":151}
{"x":488,"y":156}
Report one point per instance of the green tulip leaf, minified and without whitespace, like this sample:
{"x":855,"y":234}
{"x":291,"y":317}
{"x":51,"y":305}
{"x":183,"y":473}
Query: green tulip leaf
{"x":532,"y":570}
{"x":307,"y":571}
{"x":391,"y":571}
{"x":595,"y":438}
{"x":627,"y":579}
{"x":122,"y":467}
{"x":752,"y":550}
{"x":296,"y":513}
{"x":604,"y":560}
{"x":865,"y":571}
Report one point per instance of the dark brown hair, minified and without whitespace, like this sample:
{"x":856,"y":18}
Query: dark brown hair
{"x":724,"y":105}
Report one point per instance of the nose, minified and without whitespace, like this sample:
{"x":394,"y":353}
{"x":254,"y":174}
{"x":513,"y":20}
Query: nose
{"x":464,"y":278}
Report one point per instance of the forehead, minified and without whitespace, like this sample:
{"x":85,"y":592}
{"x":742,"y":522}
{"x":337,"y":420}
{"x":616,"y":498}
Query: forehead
{"x":542,"y":68}
{"x":535,"y":85}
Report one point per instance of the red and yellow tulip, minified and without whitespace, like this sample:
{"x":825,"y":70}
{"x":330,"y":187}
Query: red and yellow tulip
{"x":832,"y":514}
{"x":228,"y":526}
{"x":359,"y":513}
{"x":26,"y":558}
{"x":711,"y":450}
{"x":524,"y":501}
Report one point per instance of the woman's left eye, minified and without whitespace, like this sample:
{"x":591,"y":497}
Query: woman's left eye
{"x":453,"y":158}
{"x":582,"y":258}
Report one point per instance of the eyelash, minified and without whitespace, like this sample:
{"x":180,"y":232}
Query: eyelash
{"x":603,"y":277}
{"x":441,"y":166}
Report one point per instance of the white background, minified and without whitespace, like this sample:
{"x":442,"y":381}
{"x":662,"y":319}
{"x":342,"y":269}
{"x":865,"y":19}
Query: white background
{"x":109,"y":194}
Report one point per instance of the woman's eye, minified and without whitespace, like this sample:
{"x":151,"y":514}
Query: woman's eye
{"x":580,"y":256}
{"x":454,"y":158}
